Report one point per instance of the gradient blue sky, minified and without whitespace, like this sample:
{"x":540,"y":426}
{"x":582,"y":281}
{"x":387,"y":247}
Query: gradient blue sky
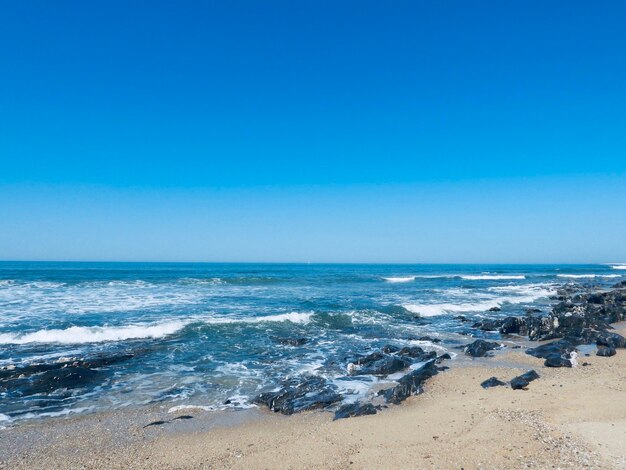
{"x":415,"y":131}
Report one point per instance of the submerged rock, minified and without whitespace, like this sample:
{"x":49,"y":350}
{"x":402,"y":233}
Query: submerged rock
{"x":299,"y":394}
{"x":521,"y":381}
{"x":479,"y":348}
{"x":355,"y":409}
{"x":606,"y":352}
{"x":492,"y":382}
{"x":291,"y":341}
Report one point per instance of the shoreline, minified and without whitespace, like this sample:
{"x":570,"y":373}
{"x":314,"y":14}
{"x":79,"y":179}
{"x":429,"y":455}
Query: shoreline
{"x":569,"y":418}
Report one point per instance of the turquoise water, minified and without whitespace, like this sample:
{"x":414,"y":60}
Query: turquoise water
{"x":202,"y":334}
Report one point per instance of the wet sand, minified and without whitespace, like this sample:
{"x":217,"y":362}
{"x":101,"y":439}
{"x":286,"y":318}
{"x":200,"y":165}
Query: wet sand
{"x":568,"y":418}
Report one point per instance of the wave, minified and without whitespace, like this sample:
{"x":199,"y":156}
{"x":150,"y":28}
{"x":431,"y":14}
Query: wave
{"x":502,"y":295}
{"x":400,"y":279}
{"x":588,"y":276}
{"x":293,"y":317}
{"x":491,"y":277}
{"x":94,"y":334}
{"x":619,"y":266}
{"x":100,"y":334}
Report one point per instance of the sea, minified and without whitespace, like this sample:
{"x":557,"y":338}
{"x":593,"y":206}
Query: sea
{"x":213,"y":336}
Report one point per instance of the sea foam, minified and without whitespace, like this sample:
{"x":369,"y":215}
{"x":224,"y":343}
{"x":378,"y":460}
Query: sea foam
{"x":94,"y":334}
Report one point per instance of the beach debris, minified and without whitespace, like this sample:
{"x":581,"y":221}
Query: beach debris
{"x":492,"y":382}
{"x":352,"y":410}
{"x":521,"y":381}
{"x":480,"y":348}
{"x":606,"y":352}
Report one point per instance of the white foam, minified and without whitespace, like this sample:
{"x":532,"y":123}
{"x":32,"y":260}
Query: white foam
{"x":491,"y":277}
{"x":293,"y":317}
{"x":175,"y":409}
{"x":495,"y":297}
{"x":400,"y":279}
{"x":587,"y":276}
{"x":94,"y":334}
{"x":431,"y":310}
{"x":619,"y":266}
{"x":4,"y":417}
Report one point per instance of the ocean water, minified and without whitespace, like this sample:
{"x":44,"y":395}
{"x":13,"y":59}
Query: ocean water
{"x":205,"y":334}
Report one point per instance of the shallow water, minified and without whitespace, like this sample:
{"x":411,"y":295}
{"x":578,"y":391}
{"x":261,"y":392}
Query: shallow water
{"x":201,"y":334}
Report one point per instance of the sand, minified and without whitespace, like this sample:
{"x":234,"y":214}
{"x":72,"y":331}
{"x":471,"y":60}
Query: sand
{"x":569,"y":418}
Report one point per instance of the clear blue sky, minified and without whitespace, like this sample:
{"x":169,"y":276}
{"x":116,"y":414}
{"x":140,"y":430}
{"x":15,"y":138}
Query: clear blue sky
{"x":447,"y":131}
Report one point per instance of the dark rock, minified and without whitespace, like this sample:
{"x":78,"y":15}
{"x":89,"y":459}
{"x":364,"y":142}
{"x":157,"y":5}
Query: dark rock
{"x":612,"y":340}
{"x":355,"y":409}
{"x":479,"y":348}
{"x":410,"y":384}
{"x":462,"y":318}
{"x":185,"y":417}
{"x":292,"y":341}
{"x":300,"y":394}
{"x":385,"y":366}
{"x":562,"y":347}
{"x":556,"y":360}
{"x":443,"y":357}
{"x":620,"y":285}
{"x":514,"y":325}
{"x":488,"y":325}
{"x":541,"y":327}
{"x":389,"y":349}
{"x":521,"y":381}
{"x":495,"y":309}
{"x":155,"y":423}
{"x":606,"y":352}
{"x":418,"y":353}
{"x":492,"y":382}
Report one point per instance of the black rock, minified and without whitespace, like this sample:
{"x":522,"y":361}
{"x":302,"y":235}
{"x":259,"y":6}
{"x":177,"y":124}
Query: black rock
{"x":620,"y":285}
{"x":495,"y":309}
{"x":488,"y":325}
{"x":410,"y":384}
{"x":514,"y":325}
{"x":479,"y":348}
{"x":521,"y":381}
{"x":416,"y":352}
{"x":429,"y":338}
{"x":556,"y":360}
{"x":443,"y":357}
{"x":492,"y":382}
{"x":385,"y":366}
{"x":612,"y":340}
{"x":299,"y":394}
{"x":606,"y":352}
{"x":292,"y":341}
{"x":389,"y":349}
{"x":562,"y":347}
{"x":155,"y":423}
{"x":355,"y":409}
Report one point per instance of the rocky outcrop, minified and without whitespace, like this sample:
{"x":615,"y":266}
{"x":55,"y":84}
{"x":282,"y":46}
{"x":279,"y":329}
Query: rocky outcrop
{"x":299,"y":394}
{"x":355,"y":409}
{"x":480,"y":348}
{"x":410,"y":384}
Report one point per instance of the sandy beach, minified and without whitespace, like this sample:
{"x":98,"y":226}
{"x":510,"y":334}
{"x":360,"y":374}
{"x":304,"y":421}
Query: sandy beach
{"x":569,"y":418}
